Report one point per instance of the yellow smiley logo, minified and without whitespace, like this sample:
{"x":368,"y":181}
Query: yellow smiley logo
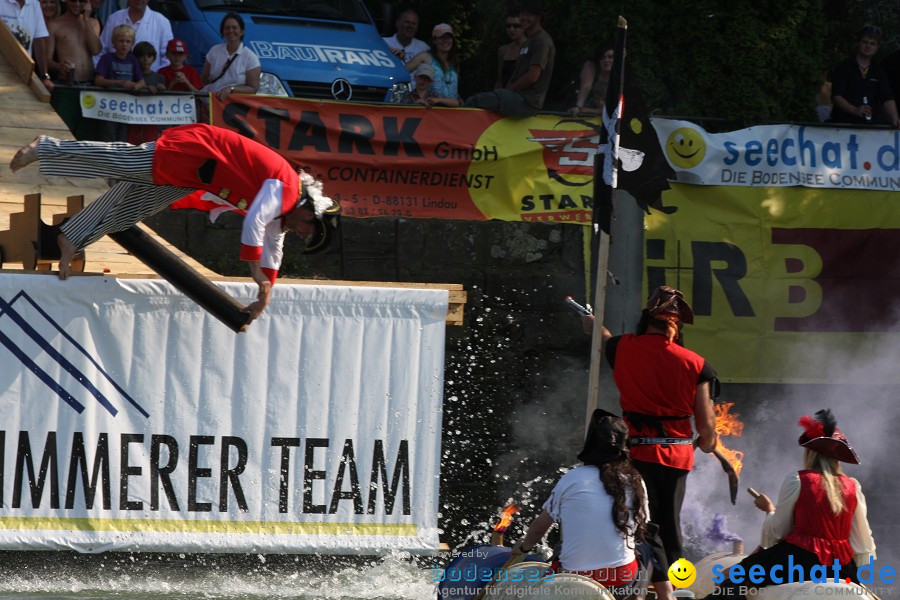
{"x":682,"y":573}
{"x":685,"y":148}
{"x":88,"y":101}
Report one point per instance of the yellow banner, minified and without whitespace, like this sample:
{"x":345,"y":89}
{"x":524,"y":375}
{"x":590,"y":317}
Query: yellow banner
{"x":788,"y":285}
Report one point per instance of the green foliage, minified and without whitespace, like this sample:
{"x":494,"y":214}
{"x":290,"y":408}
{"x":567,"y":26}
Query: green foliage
{"x":737,"y":63}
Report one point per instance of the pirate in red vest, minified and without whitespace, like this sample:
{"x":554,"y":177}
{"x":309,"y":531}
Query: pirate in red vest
{"x":662,"y":386}
{"x":192,"y":166}
{"x":820,"y":517}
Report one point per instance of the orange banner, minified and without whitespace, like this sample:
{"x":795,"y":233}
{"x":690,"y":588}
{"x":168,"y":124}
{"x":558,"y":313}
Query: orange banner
{"x":409,"y":161}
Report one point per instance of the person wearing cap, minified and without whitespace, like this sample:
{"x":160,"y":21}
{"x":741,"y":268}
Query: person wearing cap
{"x":602,"y":509}
{"x":232,"y":172}
{"x":820,"y":517}
{"x":404,"y":44}
{"x":662,"y":385}
{"x":444,"y":59}
{"x":526,"y":90}
{"x":423,"y":93}
{"x":180,"y":76}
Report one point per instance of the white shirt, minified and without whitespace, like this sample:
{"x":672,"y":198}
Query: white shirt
{"x":416,"y":46}
{"x":581,"y":506}
{"x":780,"y":523}
{"x":236,"y":74}
{"x":152,"y":27}
{"x":25,"y":22}
{"x":261,"y":226}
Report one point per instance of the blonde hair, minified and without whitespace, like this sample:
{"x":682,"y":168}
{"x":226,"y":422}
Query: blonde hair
{"x":830,"y":469}
{"x":122,"y":31}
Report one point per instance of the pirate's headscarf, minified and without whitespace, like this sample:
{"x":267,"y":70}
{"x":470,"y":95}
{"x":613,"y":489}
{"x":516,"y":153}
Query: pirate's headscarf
{"x":669,"y":309}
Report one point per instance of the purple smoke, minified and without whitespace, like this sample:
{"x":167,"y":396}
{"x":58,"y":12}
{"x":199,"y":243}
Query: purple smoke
{"x":717,"y":531}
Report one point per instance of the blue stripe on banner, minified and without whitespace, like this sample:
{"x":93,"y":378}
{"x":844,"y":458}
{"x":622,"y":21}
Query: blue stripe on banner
{"x":81,"y":349}
{"x":42,"y":375}
{"x":59,"y":358}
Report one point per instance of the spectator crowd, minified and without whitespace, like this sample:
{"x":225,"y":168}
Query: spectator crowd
{"x":132,"y":49}
{"x":124,"y":44}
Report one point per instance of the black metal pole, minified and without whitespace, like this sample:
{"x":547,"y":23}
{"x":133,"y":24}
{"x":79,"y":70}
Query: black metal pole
{"x":184,"y":277}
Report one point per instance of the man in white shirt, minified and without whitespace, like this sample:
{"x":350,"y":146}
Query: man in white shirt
{"x":149,"y":26}
{"x":26,"y":22}
{"x":404,"y":43}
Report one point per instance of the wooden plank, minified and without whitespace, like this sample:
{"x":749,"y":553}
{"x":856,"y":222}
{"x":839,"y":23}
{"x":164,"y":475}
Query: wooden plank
{"x":454,"y":311}
{"x":15,"y":54}
{"x":36,"y":119}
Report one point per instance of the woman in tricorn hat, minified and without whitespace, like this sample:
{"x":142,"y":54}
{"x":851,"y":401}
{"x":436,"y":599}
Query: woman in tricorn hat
{"x":820,"y":516}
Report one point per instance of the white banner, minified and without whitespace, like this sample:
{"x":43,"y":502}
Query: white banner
{"x":133,"y":420}
{"x":143,"y":109}
{"x":782,"y":155}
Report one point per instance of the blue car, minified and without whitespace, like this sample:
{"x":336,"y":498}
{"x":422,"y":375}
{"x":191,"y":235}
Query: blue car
{"x":327,"y":49}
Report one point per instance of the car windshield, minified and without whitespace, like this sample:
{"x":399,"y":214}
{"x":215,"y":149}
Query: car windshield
{"x":335,"y":10}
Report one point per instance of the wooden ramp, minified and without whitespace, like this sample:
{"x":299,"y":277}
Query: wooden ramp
{"x":25,"y":113}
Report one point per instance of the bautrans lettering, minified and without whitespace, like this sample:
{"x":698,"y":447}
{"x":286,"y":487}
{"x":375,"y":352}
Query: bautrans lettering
{"x":66,"y":477}
{"x":325,"y":54}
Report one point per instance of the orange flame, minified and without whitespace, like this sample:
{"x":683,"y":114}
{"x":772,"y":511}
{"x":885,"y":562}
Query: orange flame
{"x":506,"y":517}
{"x":729,"y":424}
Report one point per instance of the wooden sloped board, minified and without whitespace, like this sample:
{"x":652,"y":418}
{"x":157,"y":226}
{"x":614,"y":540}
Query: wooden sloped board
{"x":21,"y":62}
{"x":455,"y":311}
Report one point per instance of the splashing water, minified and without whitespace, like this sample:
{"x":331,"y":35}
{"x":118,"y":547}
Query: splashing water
{"x":67,"y":576}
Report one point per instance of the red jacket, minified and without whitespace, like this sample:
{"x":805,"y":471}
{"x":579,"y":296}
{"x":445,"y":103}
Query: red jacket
{"x":242,"y":174}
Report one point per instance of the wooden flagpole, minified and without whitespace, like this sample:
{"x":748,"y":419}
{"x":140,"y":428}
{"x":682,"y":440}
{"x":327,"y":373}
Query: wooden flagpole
{"x":604,"y":195}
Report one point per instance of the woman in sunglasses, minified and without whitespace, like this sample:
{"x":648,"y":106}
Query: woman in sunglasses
{"x":508,"y":54}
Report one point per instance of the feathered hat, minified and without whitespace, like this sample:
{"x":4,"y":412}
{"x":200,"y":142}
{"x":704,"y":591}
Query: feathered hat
{"x":328,"y":212}
{"x":820,"y":434}
{"x":668,"y":300}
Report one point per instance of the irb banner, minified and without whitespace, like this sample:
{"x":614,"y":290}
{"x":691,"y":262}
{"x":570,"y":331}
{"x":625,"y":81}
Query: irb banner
{"x":788,"y":285}
{"x":132,"y":420}
{"x":139,"y":109}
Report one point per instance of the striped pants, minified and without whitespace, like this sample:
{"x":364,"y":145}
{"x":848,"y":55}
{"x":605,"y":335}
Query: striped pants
{"x":132,"y":199}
